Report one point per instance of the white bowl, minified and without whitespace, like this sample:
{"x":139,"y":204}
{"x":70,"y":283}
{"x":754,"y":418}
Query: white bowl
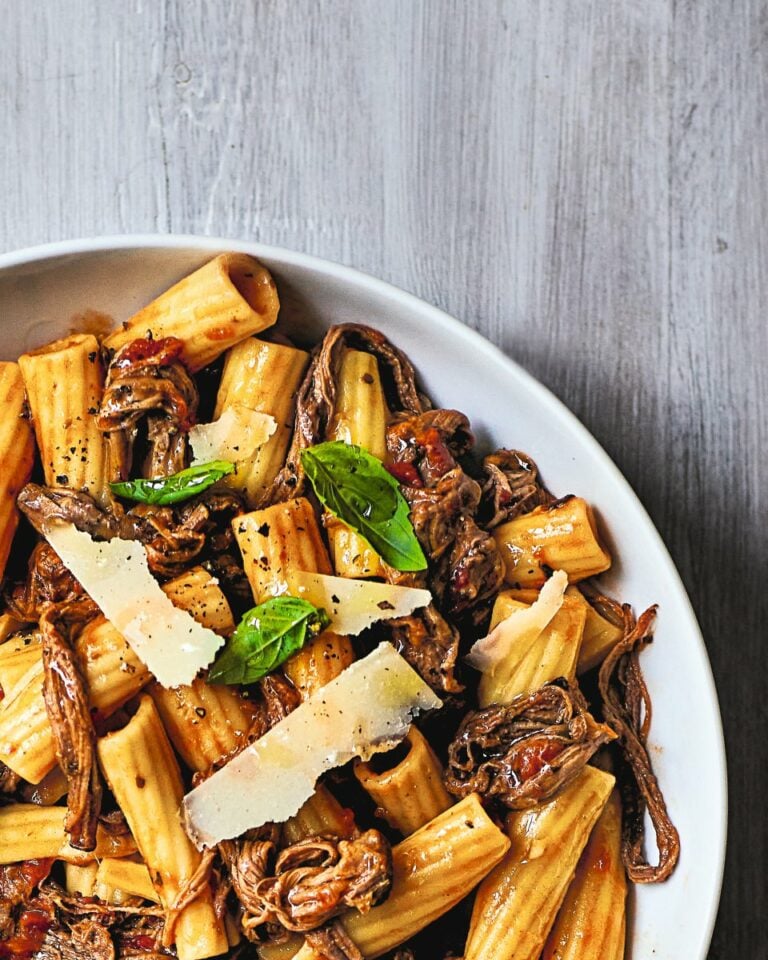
{"x":42,"y":288}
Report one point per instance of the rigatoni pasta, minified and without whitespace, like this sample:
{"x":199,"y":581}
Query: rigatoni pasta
{"x":217,"y":306}
{"x":142,"y":772}
{"x":361,"y":418}
{"x":17,"y":451}
{"x":516,"y":904}
{"x":276,"y":543}
{"x":561,"y":536}
{"x":433,"y":869}
{"x":409,"y":793}
{"x":264,"y":377}
{"x":591,"y":924}
{"x":64,"y":381}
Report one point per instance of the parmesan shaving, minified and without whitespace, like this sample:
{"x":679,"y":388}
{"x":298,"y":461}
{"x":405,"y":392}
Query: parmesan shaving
{"x":366,"y":709}
{"x":520,"y":627}
{"x":235,"y":436}
{"x":115,"y":574}
{"x":354,"y":605}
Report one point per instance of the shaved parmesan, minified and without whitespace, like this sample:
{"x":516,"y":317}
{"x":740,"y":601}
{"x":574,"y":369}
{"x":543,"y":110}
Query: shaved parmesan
{"x":521,"y":627}
{"x":115,"y":574}
{"x":353,"y":605}
{"x":366,"y":709}
{"x":235,"y":436}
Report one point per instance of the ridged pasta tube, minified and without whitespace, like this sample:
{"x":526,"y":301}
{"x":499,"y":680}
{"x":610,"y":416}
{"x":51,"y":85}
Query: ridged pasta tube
{"x":528,"y":666}
{"x":113,"y":672}
{"x":80,"y":878}
{"x":32,"y":832}
{"x":600,"y":635}
{"x":433,"y":869}
{"x":141,"y":770}
{"x":17,"y":655}
{"x":228,"y":299}
{"x":411,"y":793}
{"x":199,"y":593}
{"x":17,"y":453}
{"x":206,"y":722}
{"x":64,"y":383}
{"x":516,"y":904}
{"x":26,"y":738}
{"x":361,"y":418}
{"x":591,"y":924}
{"x":322,"y":813}
{"x":264,"y":377}
{"x":561,"y":536}
{"x":9,"y":625}
{"x":276,"y":542}
{"x":127,"y":876}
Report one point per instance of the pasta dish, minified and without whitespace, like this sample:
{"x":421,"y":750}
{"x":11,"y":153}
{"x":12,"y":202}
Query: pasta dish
{"x":289,"y":669}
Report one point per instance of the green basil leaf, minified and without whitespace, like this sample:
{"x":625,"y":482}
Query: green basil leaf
{"x":355,"y":487}
{"x":265,"y":637}
{"x":179,"y":486}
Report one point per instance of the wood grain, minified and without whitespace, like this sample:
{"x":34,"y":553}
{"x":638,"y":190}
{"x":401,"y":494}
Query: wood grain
{"x":583,"y":181}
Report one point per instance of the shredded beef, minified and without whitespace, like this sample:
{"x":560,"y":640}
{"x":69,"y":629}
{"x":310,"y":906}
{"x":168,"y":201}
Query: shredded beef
{"x":311,"y":882}
{"x":431,"y":646}
{"x":316,"y":399}
{"x":146,"y":380}
{"x":465,"y":567}
{"x":332,"y":942}
{"x":437,"y":510}
{"x":627,"y":709}
{"x":9,"y":781}
{"x":431,"y":442}
{"x":66,"y":703}
{"x":86,"y":938}
{"x":197,"y":531}
{"x":475,"y":570}
{"x":48,"y":582}
{"x":279,"y":697}
{"x":42,"y":505}
{"x":523,"y":752}
{"x":511,"y":487}
{"x":23,"y":922}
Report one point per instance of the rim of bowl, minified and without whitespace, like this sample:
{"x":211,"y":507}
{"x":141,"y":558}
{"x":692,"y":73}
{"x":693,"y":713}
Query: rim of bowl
{"x":362,"y":280}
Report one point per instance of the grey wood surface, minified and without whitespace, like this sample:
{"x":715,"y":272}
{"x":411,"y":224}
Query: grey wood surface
{"x":584,"y":181}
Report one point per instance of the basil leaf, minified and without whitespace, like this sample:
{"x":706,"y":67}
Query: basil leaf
{"x":265,"y":637}
{"x":355,"y":487}
{"x":179,"y":486}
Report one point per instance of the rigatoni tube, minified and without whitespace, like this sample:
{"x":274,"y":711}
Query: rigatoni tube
{"x":600,"y":635}
{"x":433,"y":869}
{"x":516,"y":904}
{"x":128,"y":876}
{"x":225,"y":301}
{"x":532,"y":663}
{"x":561,"y":536}
{"x":410,"y":793}
{"x":64,"y":382}
{"x":17,"y":452}
{"x":591,"y":923}
{"x":361,"y":418}
{"x":32,"y":832}
{"x":264,"y":377}
{"x":206,"y":722}
{"x":141,"y":769}
{"x":321,"y":814}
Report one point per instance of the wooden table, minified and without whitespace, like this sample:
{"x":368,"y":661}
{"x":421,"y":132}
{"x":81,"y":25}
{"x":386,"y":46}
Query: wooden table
{"x":584,"y":181}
